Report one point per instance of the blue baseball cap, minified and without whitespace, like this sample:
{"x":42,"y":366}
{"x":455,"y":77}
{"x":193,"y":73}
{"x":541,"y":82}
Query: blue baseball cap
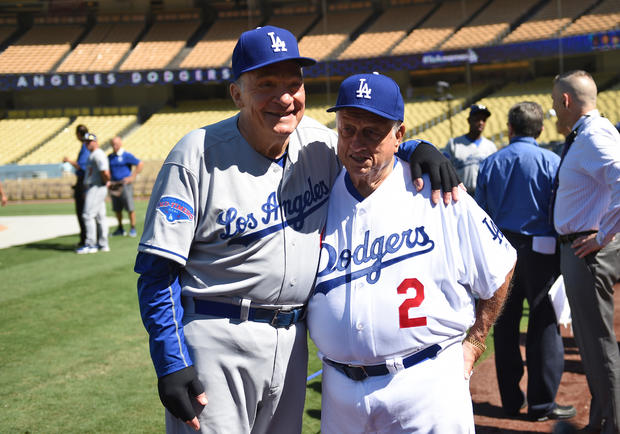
{"x":264,"y":46}
{"x":376,"y":93}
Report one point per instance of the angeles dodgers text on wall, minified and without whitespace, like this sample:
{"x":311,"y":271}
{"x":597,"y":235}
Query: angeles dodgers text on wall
{"x":295,"y":210}
{"x":27,"y":81}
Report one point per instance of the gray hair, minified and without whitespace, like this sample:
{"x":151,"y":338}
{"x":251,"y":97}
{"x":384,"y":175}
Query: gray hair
{"x":526,"y":119}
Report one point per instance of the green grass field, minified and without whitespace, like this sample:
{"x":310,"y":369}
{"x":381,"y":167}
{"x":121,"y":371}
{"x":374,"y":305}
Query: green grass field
{"x":73,"y":352}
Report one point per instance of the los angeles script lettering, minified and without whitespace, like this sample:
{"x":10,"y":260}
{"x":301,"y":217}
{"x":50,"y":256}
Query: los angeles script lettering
{"x":294,"y":209}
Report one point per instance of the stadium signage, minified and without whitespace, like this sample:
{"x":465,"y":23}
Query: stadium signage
{"x":132,"y":78}
{"x":469,"y":56}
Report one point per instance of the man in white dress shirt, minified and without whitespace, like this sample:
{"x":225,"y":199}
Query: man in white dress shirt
{"x":587,"y":217}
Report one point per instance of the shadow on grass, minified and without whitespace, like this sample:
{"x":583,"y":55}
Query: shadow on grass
{"x":314,"y":414}
{"x":50,"y":246}
{"x":316,"y":386}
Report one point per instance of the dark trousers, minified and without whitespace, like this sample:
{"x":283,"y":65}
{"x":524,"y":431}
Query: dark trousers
{"x":79,"y":196}
{"x":544,"y":350}
{"x":589,"y":287}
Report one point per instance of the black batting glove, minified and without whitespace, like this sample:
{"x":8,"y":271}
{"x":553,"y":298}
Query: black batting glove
{"x":178,"y":390}
{"x":428,"y":159}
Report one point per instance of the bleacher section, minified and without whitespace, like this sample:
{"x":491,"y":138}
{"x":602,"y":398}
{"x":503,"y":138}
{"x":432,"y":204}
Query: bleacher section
{"x":156,"y":137}
{"x":297,"y":23}
{"x":548,"y":21}
{"x":65,"y":143}
{"x":387,"y":31}
{"x":216,"y":46}
{"x":499,"y":103}
{"x":105,"y":45}
{"x":438,"y":27}
{"x":605,"y":16}
{"x":21,"y":135}
{"x":164,"y":40}
{"x":488,"y":26}
{"x":330,"y":36}
{"x":40,"y":48}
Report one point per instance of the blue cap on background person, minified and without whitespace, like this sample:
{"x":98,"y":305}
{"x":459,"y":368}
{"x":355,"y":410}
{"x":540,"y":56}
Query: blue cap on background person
{"x":376,"y":93}
{"x":264,"y":46}
{"x":479,"y":108}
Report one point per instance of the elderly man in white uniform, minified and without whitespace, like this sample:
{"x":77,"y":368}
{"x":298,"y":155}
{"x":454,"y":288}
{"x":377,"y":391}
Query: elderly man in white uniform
{"x":393,"y":311}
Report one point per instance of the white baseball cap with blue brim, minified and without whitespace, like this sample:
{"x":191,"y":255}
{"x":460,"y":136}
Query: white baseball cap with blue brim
{"x":264,"y":46}
{"x":376,"y":93}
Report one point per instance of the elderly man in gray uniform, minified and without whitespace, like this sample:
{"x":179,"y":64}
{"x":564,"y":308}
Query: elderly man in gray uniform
{"x":95,"y":180}
{"x":230,"y":249}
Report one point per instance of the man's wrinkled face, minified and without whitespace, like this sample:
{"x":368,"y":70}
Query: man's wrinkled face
{"x":366,"y":143}
{"x":271,"y":99}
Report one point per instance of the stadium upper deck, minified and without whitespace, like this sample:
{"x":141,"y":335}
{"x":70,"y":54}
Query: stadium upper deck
{"x":343,"y":30}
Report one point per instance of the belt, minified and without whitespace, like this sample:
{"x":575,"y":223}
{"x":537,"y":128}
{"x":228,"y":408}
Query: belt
{"x":275,"y":317}
{"x":569,"y":238}
{"x":359,"y":373}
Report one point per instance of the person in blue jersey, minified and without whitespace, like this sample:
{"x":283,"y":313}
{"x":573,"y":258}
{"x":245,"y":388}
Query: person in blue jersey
{"x":121,"y":185}
{"x":79,"y":192}
{"x":230,"y":249}
{"x":466,"y":152}
{"x":514,"y":188}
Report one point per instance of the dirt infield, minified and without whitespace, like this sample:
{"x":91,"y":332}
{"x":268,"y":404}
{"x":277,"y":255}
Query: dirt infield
{"x":489,"y":416}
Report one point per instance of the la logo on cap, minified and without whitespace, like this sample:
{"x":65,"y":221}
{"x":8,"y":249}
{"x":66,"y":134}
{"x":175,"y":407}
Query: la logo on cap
{"x":363,"y":91}
{"x":277,"y":44}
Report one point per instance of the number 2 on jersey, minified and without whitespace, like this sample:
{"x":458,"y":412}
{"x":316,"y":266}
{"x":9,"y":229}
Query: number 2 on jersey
{"x":403,"y":309}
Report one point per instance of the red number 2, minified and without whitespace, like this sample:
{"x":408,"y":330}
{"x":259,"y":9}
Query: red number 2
{"x":403,"y":309}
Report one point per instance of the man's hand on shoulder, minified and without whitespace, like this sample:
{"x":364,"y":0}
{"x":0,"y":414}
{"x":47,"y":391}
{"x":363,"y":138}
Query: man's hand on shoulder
{"x":428,"y":159}
{"x":176,"y":391}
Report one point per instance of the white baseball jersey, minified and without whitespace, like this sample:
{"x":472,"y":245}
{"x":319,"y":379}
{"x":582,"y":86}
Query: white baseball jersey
{"x":240,"y":223}
{"x":466,"y":157}
{"x":397,"y":274}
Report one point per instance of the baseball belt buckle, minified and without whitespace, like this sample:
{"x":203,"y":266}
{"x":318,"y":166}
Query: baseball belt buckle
{"x":357,"y":373}
{"x":276,"y":317}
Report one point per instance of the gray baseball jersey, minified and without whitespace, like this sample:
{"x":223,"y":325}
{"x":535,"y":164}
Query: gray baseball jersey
{"x":466,"y":157}
{"x":97,"y":162}
{"x":240,"y":223}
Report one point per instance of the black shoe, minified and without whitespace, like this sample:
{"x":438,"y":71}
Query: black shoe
{"x":559,"y":412}
{"x":517,"y":412}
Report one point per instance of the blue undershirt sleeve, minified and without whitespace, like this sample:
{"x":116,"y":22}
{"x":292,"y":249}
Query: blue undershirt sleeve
{"x":159,"y":296}
{"x":406,"y":149}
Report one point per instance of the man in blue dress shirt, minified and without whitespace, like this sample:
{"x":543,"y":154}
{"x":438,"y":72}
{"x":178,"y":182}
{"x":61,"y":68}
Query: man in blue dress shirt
{"x":121,"y":187}
{"x":514,"y":187}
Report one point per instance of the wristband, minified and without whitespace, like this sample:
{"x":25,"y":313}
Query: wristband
{"x":476,"y":343}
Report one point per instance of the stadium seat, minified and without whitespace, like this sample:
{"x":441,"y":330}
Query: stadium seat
{"x":437,"y":28}
{"x":103,"y":47}
{"x":39,"y":49}
{"x":605,"y":16}
{"x":330,"y":36}
{"x":386,"y":32}
{"x":163,"y":41}
{"x":548,"y":21}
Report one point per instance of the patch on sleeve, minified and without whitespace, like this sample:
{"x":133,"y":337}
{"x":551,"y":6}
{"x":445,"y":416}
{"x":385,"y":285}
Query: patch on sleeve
{"x":175,"y":210}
